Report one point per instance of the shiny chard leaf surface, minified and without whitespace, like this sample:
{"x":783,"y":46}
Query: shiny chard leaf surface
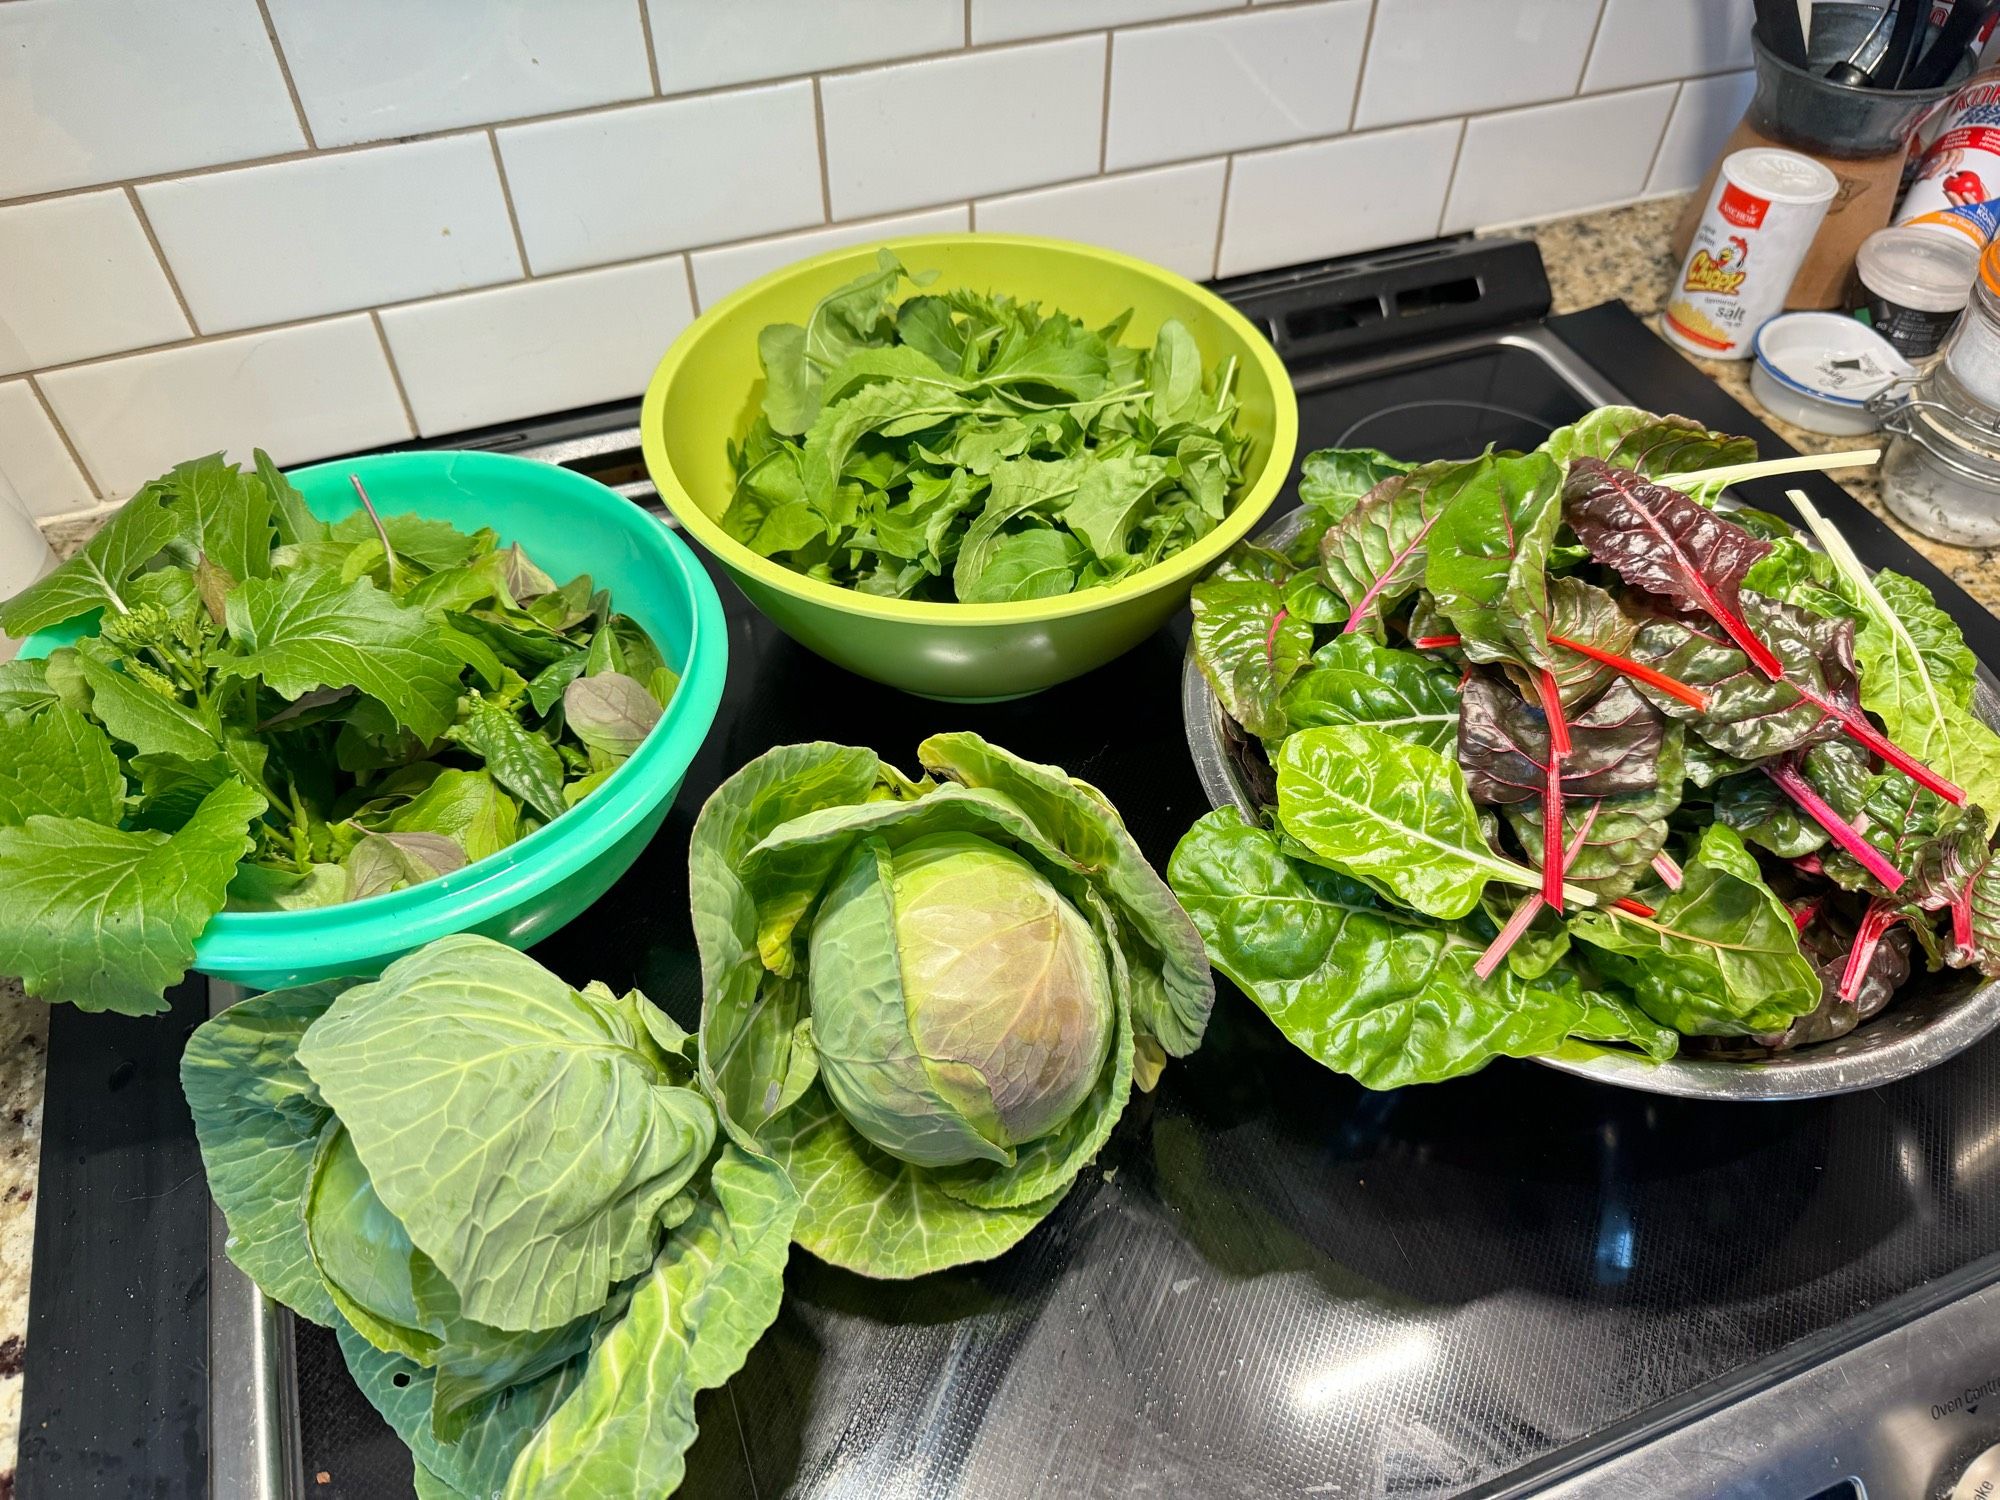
{"x":1750,"y":715}
{"x":1628,"y":438}
{"x":1719,"y":957}
{"x":1487,"y":567}
{"x":1661,"y":541}
{"x":1249,"y":646}
{"x":1384,"y":997}
{"x":1352,"y":680}
{"x":1374,"y":557}
{"x":1390,"y":813}
{"x":1503,"y":745}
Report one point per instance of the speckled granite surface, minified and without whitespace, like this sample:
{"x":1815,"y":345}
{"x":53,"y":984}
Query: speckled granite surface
{"x":1620,"y":254}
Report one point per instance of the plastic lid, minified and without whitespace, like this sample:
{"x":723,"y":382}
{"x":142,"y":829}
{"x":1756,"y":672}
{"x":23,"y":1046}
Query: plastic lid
{"x":1989,"y":267}
{"x":1829,"y":357}
{"x":1781,"y":176}
{"x":1918,"y":268}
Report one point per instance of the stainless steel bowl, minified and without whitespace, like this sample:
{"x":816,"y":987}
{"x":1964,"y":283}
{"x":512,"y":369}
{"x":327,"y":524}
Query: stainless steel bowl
{"x":1936,"y":1016}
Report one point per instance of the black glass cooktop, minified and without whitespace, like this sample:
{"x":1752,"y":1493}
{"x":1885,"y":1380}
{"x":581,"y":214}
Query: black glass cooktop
{"x":1273,"y":1282}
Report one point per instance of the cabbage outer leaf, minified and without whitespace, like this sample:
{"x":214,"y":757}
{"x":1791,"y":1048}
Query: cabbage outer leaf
{"x":537,"y":1191}
{"x":713,"y":1290}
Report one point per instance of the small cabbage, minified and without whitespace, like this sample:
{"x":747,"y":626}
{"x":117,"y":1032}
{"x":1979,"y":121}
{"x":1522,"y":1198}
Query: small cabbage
{"x":962,"y":1007}
{"x":929,"y":998}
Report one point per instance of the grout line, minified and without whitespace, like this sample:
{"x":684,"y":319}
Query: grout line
{"x":652,"y":54}
{"x":616,"y":106}
{"x":1361,"y":73}
{"x":507,"y":197}
{"x":1451,"y":177}
{"x":966,"y":33}
{"x":395,"y":374}
{"x":1222,"y":217}
{"x":1666,"y":128}
{"x":1104,"y":125}
{"x":285,"y":72}
{"x":75,"y":454}
{"x":1596,"y":30}
{"x":694,"y":296}
{"x":88,"y":513}
{"x":166,"y":270}
{"x":825,"y":173}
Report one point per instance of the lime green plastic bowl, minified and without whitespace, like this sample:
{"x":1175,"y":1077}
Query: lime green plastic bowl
{"x":569,"y":525}
{"x":708,"y":389}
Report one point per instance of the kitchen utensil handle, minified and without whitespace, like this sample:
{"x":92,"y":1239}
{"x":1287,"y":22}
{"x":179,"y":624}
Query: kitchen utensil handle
{"x":1903,"y":37}
{"x":1778,"y":24}
{"x":1959,"y":28}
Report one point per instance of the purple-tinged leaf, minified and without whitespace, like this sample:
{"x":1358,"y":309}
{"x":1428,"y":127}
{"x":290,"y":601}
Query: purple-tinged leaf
{"x":1503,"y":745}
{"x":1663,"y":542}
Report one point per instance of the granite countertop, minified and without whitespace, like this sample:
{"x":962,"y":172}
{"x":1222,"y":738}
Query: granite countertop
{"x":1593,"y":258}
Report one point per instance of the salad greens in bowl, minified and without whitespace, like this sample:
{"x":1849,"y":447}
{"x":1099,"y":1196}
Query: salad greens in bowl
{"x":274,"y":730}
{"x":1549,"y":755}
{"x":969,"y":465}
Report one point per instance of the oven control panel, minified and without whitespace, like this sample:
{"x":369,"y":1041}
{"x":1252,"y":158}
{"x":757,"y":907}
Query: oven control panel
{"x":1913,"y":1413}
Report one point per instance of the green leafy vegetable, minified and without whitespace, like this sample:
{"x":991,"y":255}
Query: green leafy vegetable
{"x":1582,"y":664}
{"x":929,"y":1000}
{"x":375,"y":725}
{"x":504,"y":1194}
{"x":972,"y":448}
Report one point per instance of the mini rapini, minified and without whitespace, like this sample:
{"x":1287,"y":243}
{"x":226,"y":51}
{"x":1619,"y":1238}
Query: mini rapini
{"x":1596,"y":762}
{"x":272,"y":712}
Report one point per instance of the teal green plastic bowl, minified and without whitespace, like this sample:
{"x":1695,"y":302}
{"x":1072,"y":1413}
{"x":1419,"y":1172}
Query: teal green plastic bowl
{"x":569,"y":525}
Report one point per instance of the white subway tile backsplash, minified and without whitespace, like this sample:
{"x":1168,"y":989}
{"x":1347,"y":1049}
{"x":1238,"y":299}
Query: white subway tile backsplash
{"x":1650,"y":41}
{"x":720,"y":271}
{"x":33,"y":461}
{"x":656,"y":177}
{"x":705,"y":43}
{"x":1301,"y":203}
{"x":367,"y":70}
{"x":1556,"y":159}
{"x":77,"y":279}
{"x":1704,"y":115}
{"x":300,"y":393}
{"x":1255,"y":79}
{"x":1429,"y":58}
{"x":988,"y":122}
{"x":100,"y":90}
{"x":1011,"y":20}
{"x":320,"y":235}
{"x":539,"y":346}
{"x":1168,"y":216}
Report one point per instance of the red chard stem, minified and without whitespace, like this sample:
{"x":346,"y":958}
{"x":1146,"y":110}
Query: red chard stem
{"x":1843,"y":832}
{"x":1271,"y":636}
{"x":1552,"y":706}
{"x":1637,"y":908}
{"x":1806,"y":912}
{"x":1693,"y":697}
{"x":1435,"y":642}
{"x":1858,"y":728}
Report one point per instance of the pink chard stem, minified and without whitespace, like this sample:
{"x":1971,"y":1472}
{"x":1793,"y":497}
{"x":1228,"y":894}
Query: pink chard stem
{"x":1496,"y":951}
{"x":1881,"y":916}
{"x":1843,"y":832}
{"x":1667,"y":870}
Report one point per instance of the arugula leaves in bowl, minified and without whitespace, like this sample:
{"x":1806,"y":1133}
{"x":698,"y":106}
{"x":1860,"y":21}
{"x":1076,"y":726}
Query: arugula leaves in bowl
{"x":969,"y":447}
{"x":1545,"y":755}
{"x":261,"y":711}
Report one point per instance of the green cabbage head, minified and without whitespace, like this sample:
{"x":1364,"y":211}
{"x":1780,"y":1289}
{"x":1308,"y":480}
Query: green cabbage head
{"x":961,"y":1007}
{"x":929,"y":999}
